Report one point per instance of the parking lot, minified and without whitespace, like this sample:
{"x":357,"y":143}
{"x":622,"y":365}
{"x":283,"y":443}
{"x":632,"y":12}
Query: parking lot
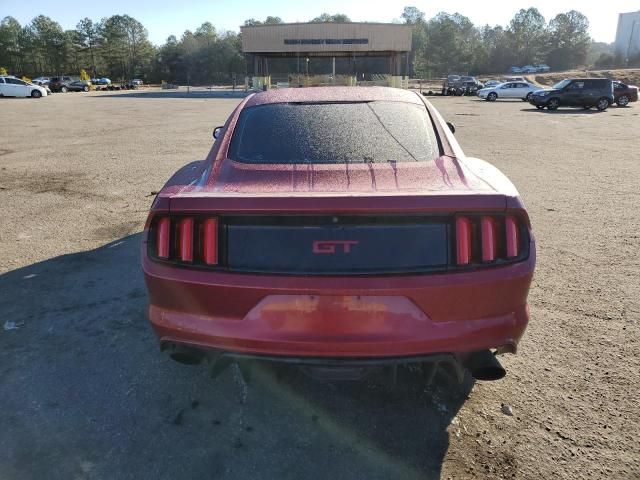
{"x":85,"y":392}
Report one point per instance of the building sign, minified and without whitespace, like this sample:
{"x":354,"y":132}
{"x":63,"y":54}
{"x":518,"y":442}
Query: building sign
{"x":326,"y":41}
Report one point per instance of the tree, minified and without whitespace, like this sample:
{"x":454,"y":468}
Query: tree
{"x":453,"y":42}
{"x":499,"y":55}
{"x":11,"y":39}
{"x":3,"y":71}
{"x":88,"y":38}
{"x":273,"y":21}
{"x":528,"y":38}
{"x":268,"y":21}
{"x":328,"y":18}
{"x":126,"y":49}
{"x":569,"y":40}
{"x":412,"y":16}
{"x":44,"y":43}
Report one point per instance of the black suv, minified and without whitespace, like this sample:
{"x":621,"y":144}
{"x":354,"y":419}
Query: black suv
{"x":60,"y":84}
{"x":576,"y":92}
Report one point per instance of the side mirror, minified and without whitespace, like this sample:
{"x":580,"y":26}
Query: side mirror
{"x":452,"y":127}
{"x":217,"y":131}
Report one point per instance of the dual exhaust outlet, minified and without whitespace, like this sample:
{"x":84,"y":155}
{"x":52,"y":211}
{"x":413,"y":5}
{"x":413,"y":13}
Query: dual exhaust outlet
{"x":483,"y":364}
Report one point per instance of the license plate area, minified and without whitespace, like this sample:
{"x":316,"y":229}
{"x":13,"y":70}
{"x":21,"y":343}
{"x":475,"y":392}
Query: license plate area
{"x":332,"y":245}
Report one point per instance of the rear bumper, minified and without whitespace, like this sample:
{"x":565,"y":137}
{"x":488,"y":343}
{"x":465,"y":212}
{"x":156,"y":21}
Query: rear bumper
{"x":340,"y":317}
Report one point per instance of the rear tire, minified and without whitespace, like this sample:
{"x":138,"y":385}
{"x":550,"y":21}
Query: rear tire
{"x":603,"y":104}
{"x":623,"y":101}
{"x":64,"y":89}
{"x":85,"y":88}
{"x":492,"y":97}
{"x":553,"y":104}
{"x":36,"y":94}
{"x":528,"y":97}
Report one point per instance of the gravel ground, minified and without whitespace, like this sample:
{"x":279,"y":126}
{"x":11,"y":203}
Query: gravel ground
{"x":84,"y":392}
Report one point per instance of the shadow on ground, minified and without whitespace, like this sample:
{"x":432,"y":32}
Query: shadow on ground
{"x":85,"y":393}
{"x":565,"y":111}
{"x":175,"y":94}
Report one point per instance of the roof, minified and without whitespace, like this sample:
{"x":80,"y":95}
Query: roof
{"x":333,"y":94}
{"x":326,"y":23}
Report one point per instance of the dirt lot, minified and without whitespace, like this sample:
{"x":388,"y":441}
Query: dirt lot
{"x":84,"y":392}
{"x":627,"y":75}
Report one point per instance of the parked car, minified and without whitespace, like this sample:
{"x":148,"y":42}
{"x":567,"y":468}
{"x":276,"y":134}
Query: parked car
{"x":515,"y":79}
{"x":576,"y":92}
{"x":492,"y":83}
{"x":244,"y":258}
{"x":14,"y":87}
{"x":103,"y":81}
{"x":521,"y":90}
{"x":452,"y":86}
{"x":137,"y":82}
{"x":60,"y":84}
{"x":470,"y":85}
{"x":42,"y":81}
{"x":131,"y":85}
{"x":623,"y":94}
{"x":79,"y":86}
{"x":530,"y":68}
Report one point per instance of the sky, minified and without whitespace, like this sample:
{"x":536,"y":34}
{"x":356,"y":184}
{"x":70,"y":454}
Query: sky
{"x":163,"y":18}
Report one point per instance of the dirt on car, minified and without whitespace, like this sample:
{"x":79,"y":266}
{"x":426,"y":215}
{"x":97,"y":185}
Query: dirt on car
{"x":85,"y":393}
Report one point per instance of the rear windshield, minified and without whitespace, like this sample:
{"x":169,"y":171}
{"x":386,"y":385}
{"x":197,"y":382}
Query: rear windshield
{"x":334,"y":133}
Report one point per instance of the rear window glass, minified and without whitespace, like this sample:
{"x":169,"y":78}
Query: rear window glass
{"x":334,"y":133}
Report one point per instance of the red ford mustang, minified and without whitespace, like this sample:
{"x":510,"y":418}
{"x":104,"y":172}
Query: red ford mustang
{"x":341,"y":227}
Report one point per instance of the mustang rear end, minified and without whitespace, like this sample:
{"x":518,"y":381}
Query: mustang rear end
{"x":339,"y":226}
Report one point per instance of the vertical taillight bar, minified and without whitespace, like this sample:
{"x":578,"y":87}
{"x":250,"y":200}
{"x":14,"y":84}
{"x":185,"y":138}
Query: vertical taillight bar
{"x":210,"y":241}
{"x":488,"y":233}
{"x":185,"y":239}
{"x":163,"y":228}
{"x":463,"y":240}
{"x":512,"y":237}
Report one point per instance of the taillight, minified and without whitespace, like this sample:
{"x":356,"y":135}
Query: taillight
{"x":163,"y":228}
{"x":488,"y":234}
{"x":487,"y":239}
{"x":185,"y":239}
{"x":512,"y":237}
{"x":463,"y":240}
{"x":210,"y":241}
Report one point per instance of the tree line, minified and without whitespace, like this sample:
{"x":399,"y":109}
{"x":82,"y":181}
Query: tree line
{"x":119,"y":47}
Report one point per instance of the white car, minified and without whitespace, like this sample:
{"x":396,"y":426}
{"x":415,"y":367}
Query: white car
{"x":521,"y":90}
{"x":14,"y":87}
{"x":42,"y":81}
{"x":514,"y":79}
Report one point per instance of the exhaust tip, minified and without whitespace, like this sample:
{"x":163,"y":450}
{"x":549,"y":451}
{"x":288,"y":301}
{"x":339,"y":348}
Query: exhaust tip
{"x":484,"y":366}
{"x":185,"y":358}
{"x":183,"y":354}
{"x":488,"y":374}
